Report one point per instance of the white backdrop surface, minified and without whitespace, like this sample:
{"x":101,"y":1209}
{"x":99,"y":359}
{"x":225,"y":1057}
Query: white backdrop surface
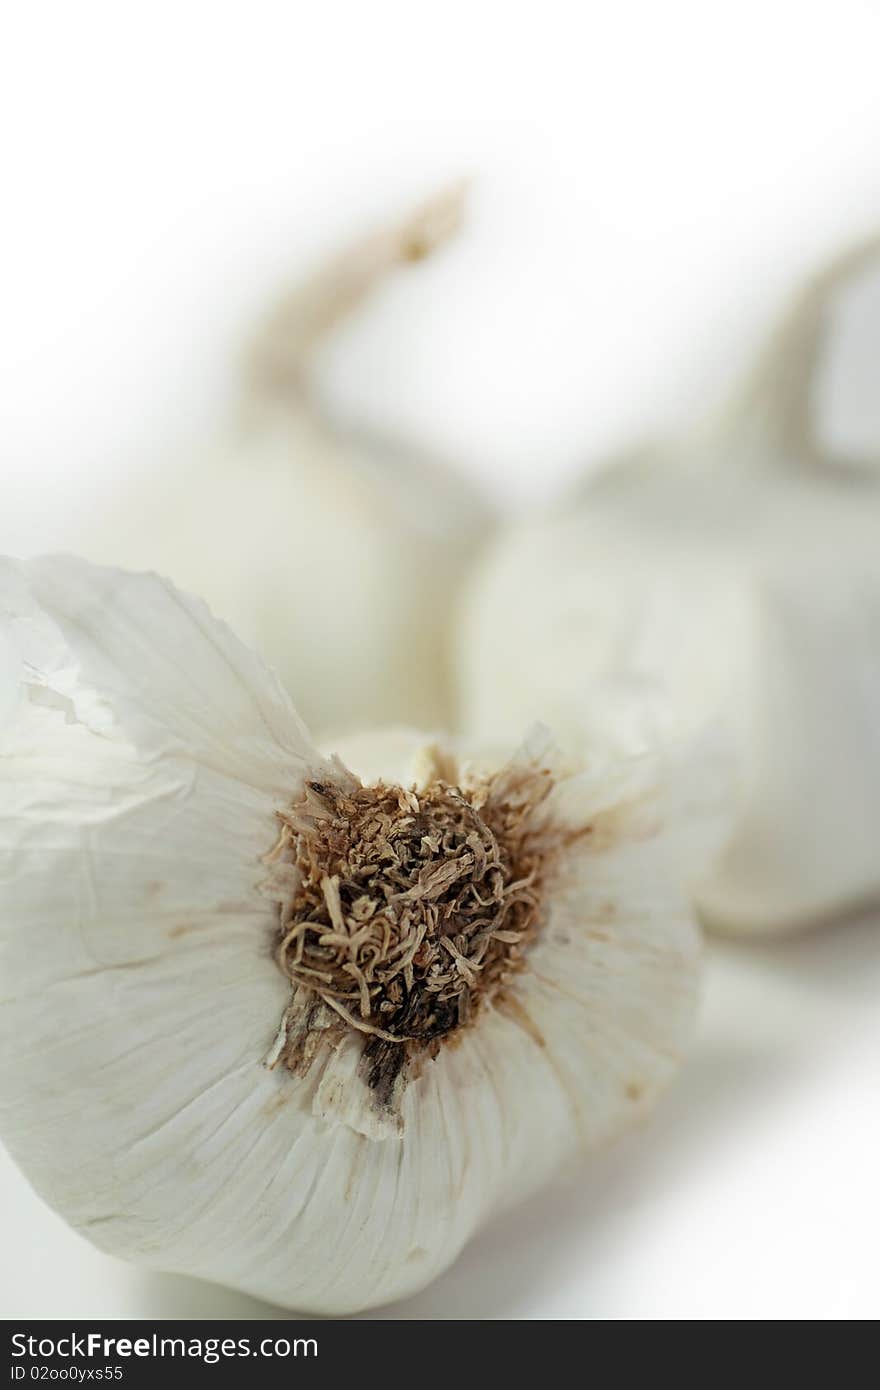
{"x":649,"y":182}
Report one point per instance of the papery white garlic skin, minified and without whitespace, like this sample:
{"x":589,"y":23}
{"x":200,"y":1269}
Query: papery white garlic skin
{"x":145,"y":753}
{"x":724,"y":589}
{"x":308,"y":537}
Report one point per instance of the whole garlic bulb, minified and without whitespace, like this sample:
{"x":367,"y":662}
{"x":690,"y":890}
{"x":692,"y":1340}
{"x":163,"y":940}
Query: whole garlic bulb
{"x":721,"y":586}
{"x":308,"y":538}
{"x":269,"y":1024}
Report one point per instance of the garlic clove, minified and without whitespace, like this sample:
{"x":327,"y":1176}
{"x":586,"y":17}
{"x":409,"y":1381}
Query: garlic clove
{"x":308,"y":537}
{"x":163,"y":1084}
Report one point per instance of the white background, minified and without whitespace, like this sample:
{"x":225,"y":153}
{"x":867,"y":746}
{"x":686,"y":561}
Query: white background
{"x":649,"y":181}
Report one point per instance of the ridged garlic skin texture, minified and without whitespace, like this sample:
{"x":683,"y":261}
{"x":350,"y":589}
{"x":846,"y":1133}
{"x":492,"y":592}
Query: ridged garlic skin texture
{"x":145,"y":753}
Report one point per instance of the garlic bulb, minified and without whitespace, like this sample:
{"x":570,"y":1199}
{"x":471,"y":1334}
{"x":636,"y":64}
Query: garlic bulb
{"x":269,"y":1024}
{"x":721,"y":592}
{"x":307,"y":538}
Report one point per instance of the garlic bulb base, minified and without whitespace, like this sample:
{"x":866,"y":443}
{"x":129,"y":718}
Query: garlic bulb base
{"x":403,"y":912}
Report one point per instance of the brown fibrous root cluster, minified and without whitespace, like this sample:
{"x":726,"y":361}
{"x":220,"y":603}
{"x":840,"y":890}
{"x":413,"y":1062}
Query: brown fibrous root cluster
{"x":406,"y":909}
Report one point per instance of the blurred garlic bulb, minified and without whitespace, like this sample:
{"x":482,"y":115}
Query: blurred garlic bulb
{"x":308,"y":539}
{"x":269,"y":1024}
{"x":722,"y":592}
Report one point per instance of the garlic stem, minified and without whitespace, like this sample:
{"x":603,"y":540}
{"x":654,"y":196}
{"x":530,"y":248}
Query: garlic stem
{"x":284,"y":346}
{"x":769,"y":420}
